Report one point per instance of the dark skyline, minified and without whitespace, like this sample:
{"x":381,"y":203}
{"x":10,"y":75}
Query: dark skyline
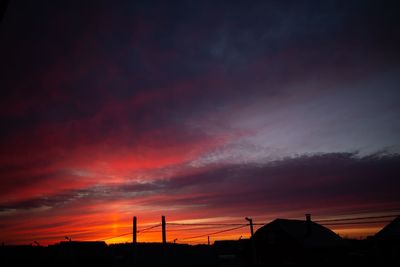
{"x":198,"y":110}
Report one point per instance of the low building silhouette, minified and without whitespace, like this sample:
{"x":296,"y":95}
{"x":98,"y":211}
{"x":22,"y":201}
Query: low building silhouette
{"x":297,"y":242}
{"x":390,"y":231}
{"x":232,"y":252}
{"x":387,"y":244}
{"x":79,"y":253}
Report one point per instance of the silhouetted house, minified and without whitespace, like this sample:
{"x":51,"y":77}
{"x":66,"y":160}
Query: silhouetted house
{"x":231,"y":252}
{"x":22,"y":255}
{"x":80,"y":253}
{"x":83,"y":244}
{"x":387,"y":244}
{"x":158,"y":254}
{"x":390,"y":231}
{"x":297,"y":242}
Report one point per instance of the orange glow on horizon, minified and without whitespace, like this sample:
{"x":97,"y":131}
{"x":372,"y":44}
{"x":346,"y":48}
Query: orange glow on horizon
{"x":113,"y":227}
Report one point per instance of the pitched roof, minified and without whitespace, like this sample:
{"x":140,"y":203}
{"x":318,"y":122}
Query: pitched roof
{"x":390,"y":231}
{"x":308,"y":234}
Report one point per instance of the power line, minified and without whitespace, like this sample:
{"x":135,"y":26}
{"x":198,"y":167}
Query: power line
{"x":345,"y":221}
{"x":357,"y":218}
{"x":322,"y":221}
{"x":327,"y":222}
{"x":354,"y":223}
{"x":206,"y":224}
{"x":191,"y":229}
{"x":148,"y":228}
{"x":214,"y":233}
{"x":115,"y":236}
{"x":143,"y":230}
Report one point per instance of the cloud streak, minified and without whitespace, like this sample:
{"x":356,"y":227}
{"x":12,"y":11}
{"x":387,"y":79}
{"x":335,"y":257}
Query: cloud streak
{"x":324,"y":184}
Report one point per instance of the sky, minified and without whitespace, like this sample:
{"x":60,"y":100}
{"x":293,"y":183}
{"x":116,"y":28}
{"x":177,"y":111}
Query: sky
{"x":202,"y":111}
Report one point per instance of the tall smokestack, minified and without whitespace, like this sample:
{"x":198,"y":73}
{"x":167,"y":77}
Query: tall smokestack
{"x":308,"y":217}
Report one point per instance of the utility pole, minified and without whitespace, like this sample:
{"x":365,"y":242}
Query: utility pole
{"x":164,"y":241}
{"x":134,"y":240}
{"x":253,"y":246}
{"x":208,"y":239}
{"x":164,"y":235}
{"x":134,"y":230}
{"x":251,"y":225}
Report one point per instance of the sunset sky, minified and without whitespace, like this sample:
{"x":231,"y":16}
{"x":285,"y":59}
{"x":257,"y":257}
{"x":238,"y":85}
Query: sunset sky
{"x":202,"y":111}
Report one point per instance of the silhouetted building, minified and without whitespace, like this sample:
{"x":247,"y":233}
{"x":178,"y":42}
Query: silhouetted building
{"x":387,"y":244}
{"x":232,"y":252}
{"x":23,"y":255}
{"x":85,"y":245}
{"x":297,"y":242}
{"x":390,"y":231}
{"x":159,"y":254}
{"x":79,"y":253}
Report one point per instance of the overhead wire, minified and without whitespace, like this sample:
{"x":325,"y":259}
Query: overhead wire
{"x":326,"y":222}
{"x":213,"y":233}
{"x":192,"y":228}
{"x":115,"y":236}
{"x":140,"y":231}
{"x":354,"y":223}
{"x":356,"y":218}
{"x":206,"y":224}
{"x":148,"y":228}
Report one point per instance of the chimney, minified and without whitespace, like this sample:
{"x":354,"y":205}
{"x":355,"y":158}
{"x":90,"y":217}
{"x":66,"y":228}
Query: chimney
{"x":308,"y":224}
